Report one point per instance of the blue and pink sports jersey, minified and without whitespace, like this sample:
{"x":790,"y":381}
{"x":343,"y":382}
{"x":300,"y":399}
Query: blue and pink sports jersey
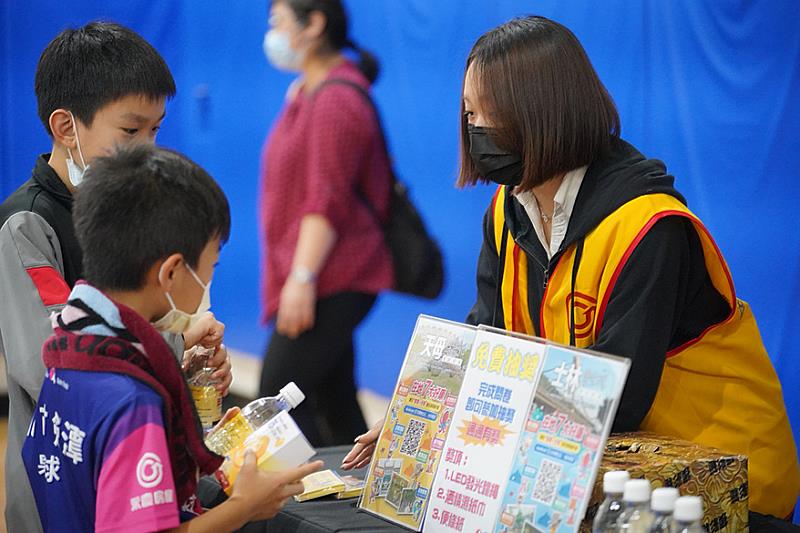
{"x":97,"y":457}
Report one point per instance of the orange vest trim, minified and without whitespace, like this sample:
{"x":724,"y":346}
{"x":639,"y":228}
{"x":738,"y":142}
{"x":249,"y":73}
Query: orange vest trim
{"x":624,"y":261}
{"x":719,"y":389}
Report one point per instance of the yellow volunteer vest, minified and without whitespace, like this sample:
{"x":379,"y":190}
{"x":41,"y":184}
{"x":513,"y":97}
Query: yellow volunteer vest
{"x":718,"y":390}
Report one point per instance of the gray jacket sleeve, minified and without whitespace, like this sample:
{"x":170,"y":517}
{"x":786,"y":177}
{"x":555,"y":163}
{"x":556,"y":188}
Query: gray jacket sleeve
{"x":26,"y":241}
{"x":175,"y":342}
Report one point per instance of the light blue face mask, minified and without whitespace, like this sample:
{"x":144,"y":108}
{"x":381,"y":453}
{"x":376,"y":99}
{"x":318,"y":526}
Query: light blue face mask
{"x":75,"y":172}
{"x":279,"y":51}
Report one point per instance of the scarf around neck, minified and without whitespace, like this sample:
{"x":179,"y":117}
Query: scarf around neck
{"x":94,"y":334}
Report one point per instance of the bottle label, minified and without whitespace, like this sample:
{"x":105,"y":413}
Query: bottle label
{"x":208,"y":402}
{"x":230,"y":435}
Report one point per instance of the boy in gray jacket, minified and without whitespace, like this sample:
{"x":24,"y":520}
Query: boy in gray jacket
{"x":97,"y":87}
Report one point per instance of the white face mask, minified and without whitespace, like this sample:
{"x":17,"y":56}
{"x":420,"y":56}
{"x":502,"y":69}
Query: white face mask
{"x":75,"y":173}
{"x":280,"y":53}
{"x":177,"y":321}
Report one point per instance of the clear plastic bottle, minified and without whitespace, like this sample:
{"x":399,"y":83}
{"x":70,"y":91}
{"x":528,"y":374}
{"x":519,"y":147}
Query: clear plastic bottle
{"x":635,"y":516}
{"x":662,"y":505}
{"x":255,"y":414}
{"x":605,"y":521}
{"x":688,"y":515}
{"x":207,"y":399}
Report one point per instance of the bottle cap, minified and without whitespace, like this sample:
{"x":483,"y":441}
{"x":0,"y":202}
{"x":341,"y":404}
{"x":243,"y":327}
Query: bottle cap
{"x":663,"y":499}
{"x":293,"y":395}
{"x":614,"y":482}
{"x":688,"y":509}
{"x":636,"y":491}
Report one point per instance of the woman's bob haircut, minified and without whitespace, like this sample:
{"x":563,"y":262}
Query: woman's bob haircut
{"x":544,"y":98}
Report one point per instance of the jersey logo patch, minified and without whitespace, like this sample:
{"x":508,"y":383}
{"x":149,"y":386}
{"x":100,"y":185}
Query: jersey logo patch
{"x":149,"y":471}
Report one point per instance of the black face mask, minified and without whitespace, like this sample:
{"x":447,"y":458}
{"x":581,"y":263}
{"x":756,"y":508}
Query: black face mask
{"x":493,"y":163}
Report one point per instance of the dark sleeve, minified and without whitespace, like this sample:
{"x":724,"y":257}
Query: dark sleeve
{"x":484,"y":309}
{"x":643,"y":311}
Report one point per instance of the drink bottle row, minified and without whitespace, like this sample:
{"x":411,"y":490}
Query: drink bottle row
{"x":630,"y":506}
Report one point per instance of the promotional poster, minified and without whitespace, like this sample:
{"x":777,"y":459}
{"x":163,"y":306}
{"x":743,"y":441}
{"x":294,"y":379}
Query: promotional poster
{"x":411,"y":442}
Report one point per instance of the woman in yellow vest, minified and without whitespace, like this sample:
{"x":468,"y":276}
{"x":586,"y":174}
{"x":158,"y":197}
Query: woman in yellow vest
{"x":587,"y":242}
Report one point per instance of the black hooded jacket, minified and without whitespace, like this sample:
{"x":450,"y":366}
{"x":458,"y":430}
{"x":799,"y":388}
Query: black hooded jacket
{"x":663,"y":296}
{"x":47,"y":196}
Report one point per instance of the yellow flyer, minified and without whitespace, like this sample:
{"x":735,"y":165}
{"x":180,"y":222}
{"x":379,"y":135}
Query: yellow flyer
{"x":410,"y":446}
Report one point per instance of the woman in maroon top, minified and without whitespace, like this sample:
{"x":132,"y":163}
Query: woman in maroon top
{"x":325,"y":192}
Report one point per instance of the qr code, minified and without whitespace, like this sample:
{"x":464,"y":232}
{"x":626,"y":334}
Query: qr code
{"x":413,"y":436}
{"x":546,"y":484}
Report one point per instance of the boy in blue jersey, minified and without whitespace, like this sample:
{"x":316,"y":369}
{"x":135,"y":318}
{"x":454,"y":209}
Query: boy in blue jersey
{"x":115,"y":443}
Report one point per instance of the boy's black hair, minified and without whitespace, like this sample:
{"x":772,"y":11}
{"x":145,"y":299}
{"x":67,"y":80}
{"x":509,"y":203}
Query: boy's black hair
{"x":84,"y":69}
{"x":140,"y":205}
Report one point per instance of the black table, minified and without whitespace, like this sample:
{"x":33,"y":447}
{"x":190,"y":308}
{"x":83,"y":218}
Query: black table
{"x":324,"y":515}
{"x":327,"y":515}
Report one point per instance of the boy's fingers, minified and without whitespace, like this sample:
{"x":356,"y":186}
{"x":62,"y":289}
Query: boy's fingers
{"x":292,"y":489}
{"x":249,"y":459}
{"x":230,"y":413}
{"x":309,"y":468}
{"x":223,"y":369}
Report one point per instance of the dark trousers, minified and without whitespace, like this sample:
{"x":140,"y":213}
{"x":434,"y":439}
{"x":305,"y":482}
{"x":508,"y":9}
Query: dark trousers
{"x":321,"y":362}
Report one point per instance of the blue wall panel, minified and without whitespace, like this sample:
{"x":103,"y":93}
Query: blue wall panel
{"x":712,"y":88}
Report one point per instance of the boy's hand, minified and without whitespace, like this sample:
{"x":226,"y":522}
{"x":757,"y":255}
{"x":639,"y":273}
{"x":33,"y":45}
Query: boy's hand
{"x":223,"y":373}
{"x":220,"y":362}
{"x":263,"y":494}
{"x":296,"y":308}
{"x":230,"y":413}
{"x":361,"y":454}
{"x":207,"y":331}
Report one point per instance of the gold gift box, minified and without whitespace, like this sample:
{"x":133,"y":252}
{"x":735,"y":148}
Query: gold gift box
{"x":718,"y":477}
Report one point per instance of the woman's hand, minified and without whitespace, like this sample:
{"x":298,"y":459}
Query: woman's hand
{"x":263,"y":494}
{"x":296,"y":309}
{"x":362,"y":451}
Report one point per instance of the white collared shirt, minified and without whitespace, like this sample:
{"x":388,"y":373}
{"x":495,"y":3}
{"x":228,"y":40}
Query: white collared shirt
{"x":563,"y":203}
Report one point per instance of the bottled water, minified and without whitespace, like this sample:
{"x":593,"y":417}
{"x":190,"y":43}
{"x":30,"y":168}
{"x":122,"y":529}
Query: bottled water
{"x":255,"y":414}
{"x":662,"y":504}
{"x":207,"y":399}
{"x":688,"y":515}
{"x":605,"y":521}
{"x":635,"y":516}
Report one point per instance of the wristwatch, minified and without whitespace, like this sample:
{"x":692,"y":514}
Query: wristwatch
{"x":303,"y":275}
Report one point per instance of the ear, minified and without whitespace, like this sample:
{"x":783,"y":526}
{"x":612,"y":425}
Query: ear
{"x":317,"y":22}
{"x":165,"y":276}
{"x":63,"y":128}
